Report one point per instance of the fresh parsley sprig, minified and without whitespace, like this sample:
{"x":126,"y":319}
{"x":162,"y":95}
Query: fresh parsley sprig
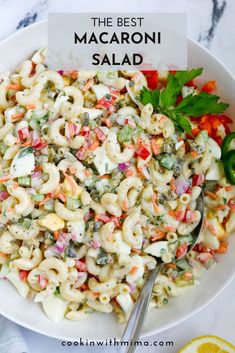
{"x":163,"y":101}
{"x":175,"y":84}
{"x":200,"y":104}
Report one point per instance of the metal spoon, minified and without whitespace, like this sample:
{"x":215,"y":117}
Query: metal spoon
{"x":138,"y":314}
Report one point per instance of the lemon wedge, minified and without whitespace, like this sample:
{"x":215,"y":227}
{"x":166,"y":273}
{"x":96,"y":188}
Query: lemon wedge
{"x":208,"y":344}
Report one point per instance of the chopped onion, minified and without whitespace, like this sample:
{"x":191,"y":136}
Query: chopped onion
{"x":81,"y":266}
{"x":42,"y":281}
{"x":181,"y":186}
{"x":3,"y":195}
{"x":95,"y":244}
{"x":31,"y":191}
{"x":50,"y":252}
{"x":37,"y":175}
{"x":73,"y":236}
{"x":123,"y":166}
{"x":62,"y":242}
{"x":132,"y":287}
{"x":192,"y":263}
{"x":81,"y":274}
{"x":35,"y":135}
{"x":121,"y":120}
{"x":36,"y":179}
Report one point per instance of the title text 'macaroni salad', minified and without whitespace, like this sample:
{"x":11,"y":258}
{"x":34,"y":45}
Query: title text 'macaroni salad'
{"x":99,"y":172}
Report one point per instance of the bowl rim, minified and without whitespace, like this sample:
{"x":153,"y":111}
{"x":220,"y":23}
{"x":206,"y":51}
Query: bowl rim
{"x":165,"y":326}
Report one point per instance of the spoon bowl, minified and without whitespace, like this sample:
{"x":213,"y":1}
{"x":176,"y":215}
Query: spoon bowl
{"x":138,"y":314}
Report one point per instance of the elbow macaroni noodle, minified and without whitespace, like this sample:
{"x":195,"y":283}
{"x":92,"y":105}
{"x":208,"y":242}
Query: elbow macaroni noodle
{"x":87,"y":201}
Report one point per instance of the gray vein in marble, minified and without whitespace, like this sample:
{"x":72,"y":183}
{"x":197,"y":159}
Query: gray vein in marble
{"x":32,"y":15}
{"x":218,"y":7}
{"x":27,"y":20}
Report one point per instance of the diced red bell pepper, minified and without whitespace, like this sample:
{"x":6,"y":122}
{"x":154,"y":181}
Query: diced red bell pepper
{"x":42,"y":281}
{"x":204,"y":257}
{"x":152,"y":78}
{"x":81,"y":266}
{"x":85,"y":131}
{"x":81,"y":153}
{"x":38,"y":144}
{"x":191,"y":84}
{"x":209,"y":87}
{"x":113,"y":91}
{"x":195,"y":131}
{"x":142,"y":151}
{"x":115,"y":221}
{"x":99,"y":134}
{"x":181,"y":250}
{"x":179,"y":215}
{"x":23,"y":275}
{"x":198,"y":180}
{"x":200,"y":249}
{"x":89,"y":215}
{"x":225,"y":119}
{"x":4,"y":195}
{"x":23,"y":133}
{"x":189,"y":216}
{"x":104,"y":218}
{"x":217,"y":138}
{"x":211,"y":123}
{"x":179,"y":99}
{"x":73,"y":129}
{"x":106,"y":102}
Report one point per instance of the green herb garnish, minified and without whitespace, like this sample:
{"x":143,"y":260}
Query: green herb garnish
{"x":125,"y":134}
{"x":102,"y":258}
{"x":57,"y":292}
{"x":25,"y":151}
{"x":194,"y":105}
{"x":166,"y":160}
{"x":201,"y":104}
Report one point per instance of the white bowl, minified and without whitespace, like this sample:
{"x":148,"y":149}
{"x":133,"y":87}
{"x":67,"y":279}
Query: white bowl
{"x":102,"y":326}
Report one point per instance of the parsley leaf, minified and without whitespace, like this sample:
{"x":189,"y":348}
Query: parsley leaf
{"x":163,"y":101}
{"x":169,"y":94}
{"x":125,"y":134}
{"x":147,"y":96}
{"x":25,"y":151}
{"x":200,"y":104}
{"x":175,"y":84}
{"x":180,"y":121}
{"x":185,"y":76}
{"x":183,"y":124}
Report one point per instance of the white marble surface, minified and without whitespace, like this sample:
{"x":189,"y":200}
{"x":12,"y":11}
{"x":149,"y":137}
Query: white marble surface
{"x":211,"y":22}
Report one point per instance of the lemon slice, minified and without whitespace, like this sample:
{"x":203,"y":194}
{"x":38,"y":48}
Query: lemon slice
{"x":208,"y":344}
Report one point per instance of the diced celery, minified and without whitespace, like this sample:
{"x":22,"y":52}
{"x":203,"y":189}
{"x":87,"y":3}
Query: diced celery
{"x":183,"y":264}
{"x":166,"y":160}
{"x":73,"y":204}
{"x":181,"y":282}
{"x":26,"y":223}
{"x":102,"y":258}
{"x":49,"y":205}
{"x":186,"y":239}
{"x":57,"y":291}
{"x":24,"y":181}
{"x":38,"y":197}
{"x":125,"y":134}
{"x":3,"y":147}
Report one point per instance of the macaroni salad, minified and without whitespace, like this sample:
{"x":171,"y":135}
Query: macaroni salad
{"x":96,"y":181}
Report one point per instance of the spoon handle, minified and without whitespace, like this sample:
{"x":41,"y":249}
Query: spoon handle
{"x":137,"y":317}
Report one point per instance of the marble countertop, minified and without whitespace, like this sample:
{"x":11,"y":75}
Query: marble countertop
{"x":210,"y":22}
